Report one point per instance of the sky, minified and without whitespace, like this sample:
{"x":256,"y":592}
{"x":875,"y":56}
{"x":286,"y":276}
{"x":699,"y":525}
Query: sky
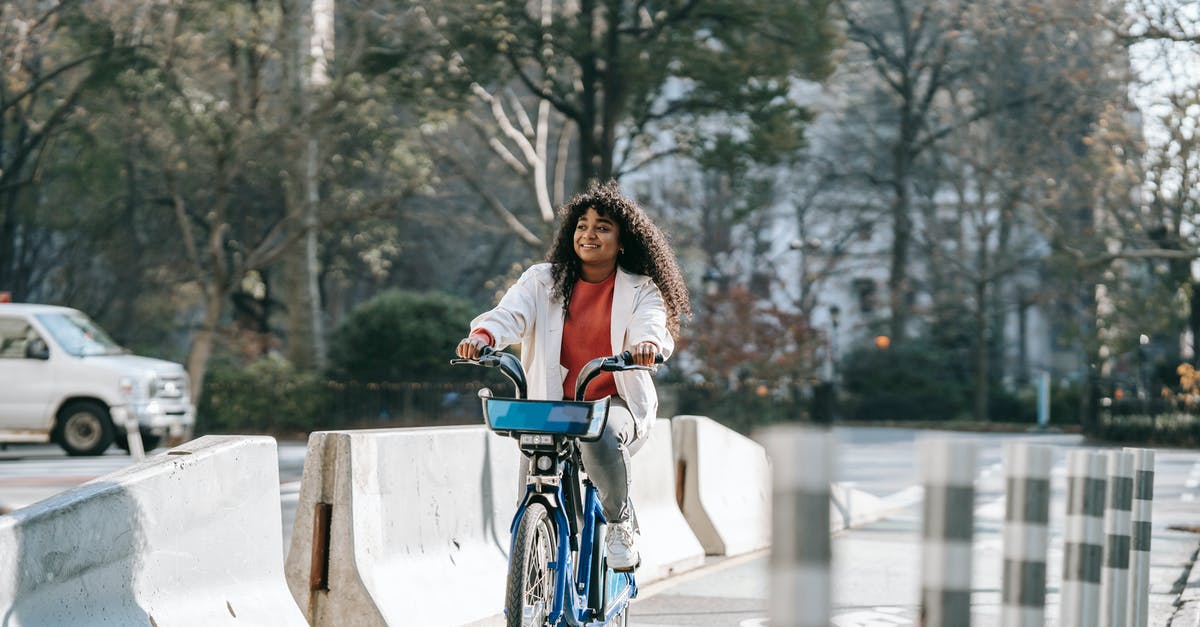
{"x":1165,"y":67}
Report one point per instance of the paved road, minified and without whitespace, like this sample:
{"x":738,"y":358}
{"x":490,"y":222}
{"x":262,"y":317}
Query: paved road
{"x":876,"y":566}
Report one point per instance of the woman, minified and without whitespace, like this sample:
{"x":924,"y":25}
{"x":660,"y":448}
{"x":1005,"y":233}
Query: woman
{"x":611,"y":284}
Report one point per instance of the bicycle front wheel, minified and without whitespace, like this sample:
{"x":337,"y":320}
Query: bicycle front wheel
{"x":530,"y":593}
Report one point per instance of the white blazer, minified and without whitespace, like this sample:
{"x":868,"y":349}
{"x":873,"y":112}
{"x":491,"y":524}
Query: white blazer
{"x":529,"y":315}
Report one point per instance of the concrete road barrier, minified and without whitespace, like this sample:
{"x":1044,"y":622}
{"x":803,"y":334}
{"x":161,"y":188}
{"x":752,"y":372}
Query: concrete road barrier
{"x":948,"y":474}
{"x":1083,"y":539}
{"x":850,"y":508}
{"x":1139,"y":548}
{"x":726,"y":490}
{"x":187,"y":537}
{"x":403,"y":526}
{"x":667,"y":544}
{"x":1118,"y":528}
{"x":1026,"y":534}
{"x":801,"y":553}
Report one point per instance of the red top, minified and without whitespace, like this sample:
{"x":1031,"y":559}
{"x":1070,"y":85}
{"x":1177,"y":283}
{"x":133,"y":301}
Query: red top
{"x":586,"y":336}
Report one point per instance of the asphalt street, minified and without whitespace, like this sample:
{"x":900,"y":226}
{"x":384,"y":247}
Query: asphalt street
{"x":876,"y":566}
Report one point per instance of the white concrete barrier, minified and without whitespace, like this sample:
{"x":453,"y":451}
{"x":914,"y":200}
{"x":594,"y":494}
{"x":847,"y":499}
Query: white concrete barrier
{"x":850,"y":508}
{"x":727,"y":486}
{"x":801,"y":553}
{"x":403,"y":526}
{"x":948,"y":526}
{"x":187,"y":537}
{"x":667,"y":544}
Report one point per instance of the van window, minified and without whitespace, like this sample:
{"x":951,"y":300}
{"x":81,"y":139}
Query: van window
{"x":78,"y":335}
{"x":15,"y":333}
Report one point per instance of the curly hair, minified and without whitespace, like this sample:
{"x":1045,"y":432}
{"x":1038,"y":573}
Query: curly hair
{"x":646,"y":250}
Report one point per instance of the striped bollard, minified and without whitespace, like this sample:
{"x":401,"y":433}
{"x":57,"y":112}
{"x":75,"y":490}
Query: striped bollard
{"x":948,"y":472}
{"x":802,"y":469}
{"x":1139,"y":551}
{"x":1026,"y":534}
{"x":1083,"y":539}
{"x":1118,"y":526}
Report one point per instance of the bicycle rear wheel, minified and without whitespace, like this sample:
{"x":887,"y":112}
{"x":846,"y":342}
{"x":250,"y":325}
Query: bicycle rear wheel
{"x":530,"y":593}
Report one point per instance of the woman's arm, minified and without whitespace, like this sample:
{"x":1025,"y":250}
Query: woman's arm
{"x":509,"y":321}
{"x":649,"y":323}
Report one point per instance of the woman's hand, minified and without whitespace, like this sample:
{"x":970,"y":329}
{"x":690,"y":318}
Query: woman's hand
{"x":470,"y":347}
{"x":643,"y":353}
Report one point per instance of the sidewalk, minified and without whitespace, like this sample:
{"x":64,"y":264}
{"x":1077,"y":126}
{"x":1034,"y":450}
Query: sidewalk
{"x":1188,"y":612}
{"x":1175,"y":585}
{"x":1173,"y":549}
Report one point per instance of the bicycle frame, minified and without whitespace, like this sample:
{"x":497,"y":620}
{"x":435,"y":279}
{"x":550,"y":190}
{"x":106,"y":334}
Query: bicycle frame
{"x":586,"y":591}
{"x":580,"y":599}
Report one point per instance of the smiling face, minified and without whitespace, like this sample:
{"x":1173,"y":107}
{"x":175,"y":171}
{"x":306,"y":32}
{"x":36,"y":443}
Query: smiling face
{"x":597,"y":240}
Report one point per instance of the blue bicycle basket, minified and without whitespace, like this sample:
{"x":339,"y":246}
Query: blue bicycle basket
{"x":580,"y":419}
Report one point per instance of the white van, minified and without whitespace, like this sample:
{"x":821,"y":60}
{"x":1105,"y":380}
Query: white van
{"x":63,"y":380}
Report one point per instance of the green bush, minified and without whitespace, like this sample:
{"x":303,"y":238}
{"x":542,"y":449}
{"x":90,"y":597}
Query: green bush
{"x":743,"y":409}
{"x":913,"y":380}
{"x":1005,"y":406}
{"x":1174,"y":429}
{"x":1064,"y":404}
{"x":272,"y":397}
{"x":402,"y":336}
{"x":269,"y":396}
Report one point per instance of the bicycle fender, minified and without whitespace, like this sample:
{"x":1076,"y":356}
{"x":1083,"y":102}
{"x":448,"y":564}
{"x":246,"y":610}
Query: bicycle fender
{"x":551,"y":500}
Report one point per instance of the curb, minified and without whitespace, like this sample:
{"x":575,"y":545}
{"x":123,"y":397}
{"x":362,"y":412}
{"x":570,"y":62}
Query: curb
{"x":1187,"y":612}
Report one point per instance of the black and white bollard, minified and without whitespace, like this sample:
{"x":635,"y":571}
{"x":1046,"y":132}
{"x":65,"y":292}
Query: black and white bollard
{"x":1026,"y":534}
{"x":1139,"y":550}
{"x":802,"y":468}
{"x":1118,"y":527}
{"x":1083,"y":539}
{"x":948,"y":473}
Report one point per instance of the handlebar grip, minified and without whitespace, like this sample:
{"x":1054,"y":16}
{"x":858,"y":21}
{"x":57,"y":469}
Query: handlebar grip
{"x":627,"y":357}
{"x":484,"y":353}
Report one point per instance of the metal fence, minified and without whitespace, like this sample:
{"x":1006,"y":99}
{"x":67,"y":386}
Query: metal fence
{"x":312,"y":405}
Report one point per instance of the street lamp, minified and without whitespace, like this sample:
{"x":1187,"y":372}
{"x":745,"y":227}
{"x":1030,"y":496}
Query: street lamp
{"x":834,"y":313}
{"x":1143,"y":375}
{"x":825,"y":396}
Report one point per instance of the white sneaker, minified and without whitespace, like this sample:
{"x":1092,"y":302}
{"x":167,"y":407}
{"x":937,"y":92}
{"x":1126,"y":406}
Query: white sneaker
{"x":623,"y":555}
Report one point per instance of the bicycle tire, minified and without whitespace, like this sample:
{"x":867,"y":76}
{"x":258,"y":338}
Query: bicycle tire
{"x":530,"y":588}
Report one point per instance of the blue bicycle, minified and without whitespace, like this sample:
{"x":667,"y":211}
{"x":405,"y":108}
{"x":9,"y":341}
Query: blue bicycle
{"x":557,"y":571}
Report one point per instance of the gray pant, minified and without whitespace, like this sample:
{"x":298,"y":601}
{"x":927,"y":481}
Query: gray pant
{"x":607,"y":460}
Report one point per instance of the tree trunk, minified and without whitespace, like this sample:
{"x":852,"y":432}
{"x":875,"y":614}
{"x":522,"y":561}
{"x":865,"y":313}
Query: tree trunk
{"x":312,"y":265}
{"x":901,"y":239}
{"x":589,"y":79}
{"x":1194,"y":323}
{"x":202,"y":343}
{"x":306,"y":329}
{"x":322,"y":51}
{"x":981,"y":352}
{"x":1022,"y":338}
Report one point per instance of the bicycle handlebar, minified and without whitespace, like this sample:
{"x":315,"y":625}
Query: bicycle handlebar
{"x":627,"y":358}
{"x":615,"y":363}
{"x":506,"y":362}
{"x":511,"y":367}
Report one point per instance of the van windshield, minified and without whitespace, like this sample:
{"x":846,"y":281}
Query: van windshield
{"x":78,"y":335}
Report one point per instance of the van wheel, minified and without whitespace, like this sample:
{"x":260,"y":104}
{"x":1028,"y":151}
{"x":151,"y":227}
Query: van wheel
{"x":84,"y":428}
